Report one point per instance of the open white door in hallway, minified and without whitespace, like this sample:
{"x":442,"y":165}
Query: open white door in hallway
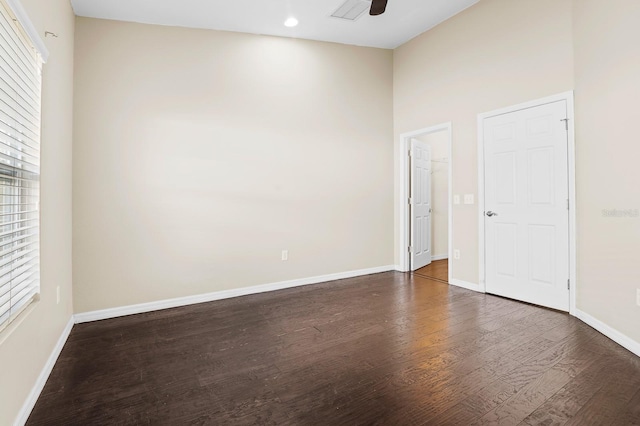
{"x":420,"y":204}
{"x":526,"y":205}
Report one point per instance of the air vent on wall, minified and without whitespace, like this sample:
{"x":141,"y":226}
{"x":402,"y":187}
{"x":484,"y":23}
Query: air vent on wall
{"x":351,"y":10}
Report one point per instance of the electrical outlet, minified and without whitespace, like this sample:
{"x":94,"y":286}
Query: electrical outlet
{"x":285,"y":254}
{"x":638,"y":296}
{"x":58,"y":295}
{"x":456,"y":254}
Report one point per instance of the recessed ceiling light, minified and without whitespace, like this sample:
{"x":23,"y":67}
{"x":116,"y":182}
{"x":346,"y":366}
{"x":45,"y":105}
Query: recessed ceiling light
{"x":291,"y":22}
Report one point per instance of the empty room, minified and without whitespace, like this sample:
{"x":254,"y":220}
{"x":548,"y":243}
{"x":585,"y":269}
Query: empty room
{"x":319,"y":212}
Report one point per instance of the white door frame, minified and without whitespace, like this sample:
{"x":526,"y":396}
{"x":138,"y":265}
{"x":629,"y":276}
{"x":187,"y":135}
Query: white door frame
{"x":404,"y":179}
{"x":568,"y":97}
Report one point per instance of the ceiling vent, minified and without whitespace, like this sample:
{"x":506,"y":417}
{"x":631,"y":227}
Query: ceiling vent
{"x":351,"y":10}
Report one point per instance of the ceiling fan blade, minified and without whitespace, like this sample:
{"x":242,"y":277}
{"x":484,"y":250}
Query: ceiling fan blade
{"x":378,"y":7}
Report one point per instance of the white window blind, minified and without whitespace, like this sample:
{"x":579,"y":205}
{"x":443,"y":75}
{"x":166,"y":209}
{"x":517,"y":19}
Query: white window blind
{"x":20,"y":91}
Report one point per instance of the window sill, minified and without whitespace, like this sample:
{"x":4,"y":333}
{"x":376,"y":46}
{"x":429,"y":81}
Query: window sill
{"x":15,"y":324}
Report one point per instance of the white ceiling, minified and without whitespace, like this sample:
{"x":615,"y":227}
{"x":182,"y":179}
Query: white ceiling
{"x":403,"y":20}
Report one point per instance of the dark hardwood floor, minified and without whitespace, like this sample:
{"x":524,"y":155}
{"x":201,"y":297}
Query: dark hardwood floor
{"x":385,"y":349}
{"x":438,"y":270}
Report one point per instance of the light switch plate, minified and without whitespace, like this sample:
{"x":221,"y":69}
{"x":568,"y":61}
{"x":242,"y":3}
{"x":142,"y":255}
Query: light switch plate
{"x":456,"y":254}
{"x":468,"y":199}
{"x":456,"y":199}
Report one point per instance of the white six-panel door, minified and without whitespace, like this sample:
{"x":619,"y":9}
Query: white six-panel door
{"x":420,"y":204}
{"x":526,"y":205}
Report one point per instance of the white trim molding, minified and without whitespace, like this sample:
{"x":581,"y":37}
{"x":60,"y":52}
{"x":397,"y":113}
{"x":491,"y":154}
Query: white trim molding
{"x":33,"y":396}
{"x":610,"y":332}
{"x":402,"y":174}
{"x":465,"y":284}
{"x":568,"y":97}
{"x":220,"y":295}
{"x":29,"y":28}
{"x":440,"y":257}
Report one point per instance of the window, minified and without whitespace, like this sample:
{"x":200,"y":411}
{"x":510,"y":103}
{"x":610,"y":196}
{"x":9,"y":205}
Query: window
{"x":20,"y":90}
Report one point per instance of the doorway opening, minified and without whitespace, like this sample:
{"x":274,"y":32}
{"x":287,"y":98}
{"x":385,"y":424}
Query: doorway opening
{"x":426,"y":202}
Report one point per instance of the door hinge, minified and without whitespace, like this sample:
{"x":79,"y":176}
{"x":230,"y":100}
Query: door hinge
{"x":409,"y":248}
{"x":569,"y":284}
{"x":410,"y":153}
{"x":410,"y":201}
{"x":566,"y":123}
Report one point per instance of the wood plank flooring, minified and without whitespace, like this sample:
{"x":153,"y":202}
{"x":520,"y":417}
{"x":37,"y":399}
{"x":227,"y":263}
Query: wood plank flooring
{"x":385,"y":349}
{"x":437,"y":270}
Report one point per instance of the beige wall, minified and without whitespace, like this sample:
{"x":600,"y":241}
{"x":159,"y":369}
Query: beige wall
{"x":200,"y":155}
{"x":439,"y":143}
{"x":495,"y":54}
{"x":25,"y":346}
{"x":500,"y":53}
{"x":607,"y":63}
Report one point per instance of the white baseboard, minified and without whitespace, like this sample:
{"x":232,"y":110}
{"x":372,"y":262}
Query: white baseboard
{"x":219,"y":295}
{"x":465,"y":284}
{"x":613,"y":334}
{"x":31,"y":400}
{"x":440,"y":257}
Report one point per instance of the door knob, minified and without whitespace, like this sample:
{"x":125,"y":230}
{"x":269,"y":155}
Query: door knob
{"x":491,"y":214}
